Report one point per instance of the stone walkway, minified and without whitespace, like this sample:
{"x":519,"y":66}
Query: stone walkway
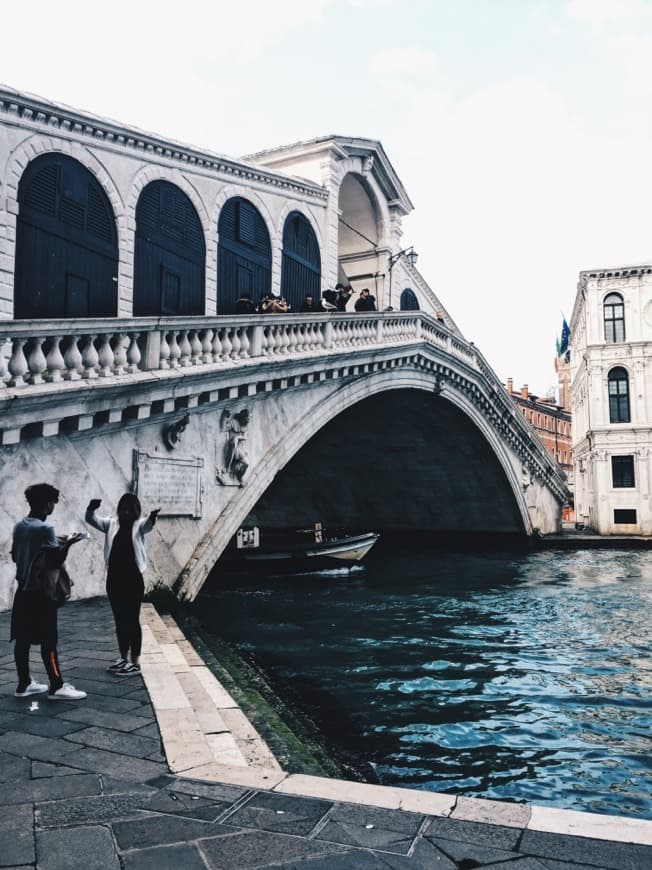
{"x":86,"y":785}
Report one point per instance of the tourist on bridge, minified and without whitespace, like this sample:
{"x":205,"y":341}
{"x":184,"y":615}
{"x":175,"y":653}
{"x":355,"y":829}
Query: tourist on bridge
{"x":309,"y":304}
{"x":125,"y":557}
{"x":39,"y":555}
{"x":343,"y":296}
{"x":365,"y":302}
{"x":245,"y":305}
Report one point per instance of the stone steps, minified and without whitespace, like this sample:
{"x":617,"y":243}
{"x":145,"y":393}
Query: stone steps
{"x":202,"y":727}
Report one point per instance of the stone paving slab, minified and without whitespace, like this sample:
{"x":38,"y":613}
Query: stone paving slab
{"x":92,"y":796}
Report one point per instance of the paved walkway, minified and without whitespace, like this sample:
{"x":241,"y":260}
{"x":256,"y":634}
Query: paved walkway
{"x":85,"y":785}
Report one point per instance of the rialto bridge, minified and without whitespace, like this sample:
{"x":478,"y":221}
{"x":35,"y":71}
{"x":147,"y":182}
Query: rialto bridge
{"x":121,"y":368}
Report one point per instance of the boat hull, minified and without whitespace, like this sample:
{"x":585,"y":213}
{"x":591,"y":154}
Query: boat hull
{"x":342,"y":553}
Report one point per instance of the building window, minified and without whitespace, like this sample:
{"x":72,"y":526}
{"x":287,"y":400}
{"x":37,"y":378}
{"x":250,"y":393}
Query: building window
{"x":625,"y":517}
{"x":618,"y":396}
{"x":622,"y":471}
{"x":614,"y":318}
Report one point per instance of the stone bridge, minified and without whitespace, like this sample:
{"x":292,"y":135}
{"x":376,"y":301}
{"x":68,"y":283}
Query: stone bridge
{"x":388,"y":421}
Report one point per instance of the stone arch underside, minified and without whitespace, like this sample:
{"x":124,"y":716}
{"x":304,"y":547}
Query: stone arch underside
{"x":398,"y":461}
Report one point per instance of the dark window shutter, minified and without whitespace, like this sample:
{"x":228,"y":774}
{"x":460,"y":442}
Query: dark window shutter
{"x":246,"y":223}
{"x":42,"y":194}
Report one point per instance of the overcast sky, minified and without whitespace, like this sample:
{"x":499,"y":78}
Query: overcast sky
{"x":522,"y":129}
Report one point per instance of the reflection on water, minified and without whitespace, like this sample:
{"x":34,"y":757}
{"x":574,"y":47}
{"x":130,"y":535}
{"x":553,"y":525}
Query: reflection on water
{"x":509,"y":676}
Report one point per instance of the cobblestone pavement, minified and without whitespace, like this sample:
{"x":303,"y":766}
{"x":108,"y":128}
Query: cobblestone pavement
{"x":85,"y":785}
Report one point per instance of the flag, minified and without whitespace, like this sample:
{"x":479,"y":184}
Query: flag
{"x":565,"y":335}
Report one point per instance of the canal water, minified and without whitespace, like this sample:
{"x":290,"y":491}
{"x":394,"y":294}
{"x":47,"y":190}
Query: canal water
{"x":513,"y":676}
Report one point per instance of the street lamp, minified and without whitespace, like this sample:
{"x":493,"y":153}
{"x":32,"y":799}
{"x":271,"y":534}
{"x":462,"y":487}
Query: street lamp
{"x":410,"y":255}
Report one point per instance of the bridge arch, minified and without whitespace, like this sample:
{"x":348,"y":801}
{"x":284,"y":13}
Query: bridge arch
{"x":281,"y":452}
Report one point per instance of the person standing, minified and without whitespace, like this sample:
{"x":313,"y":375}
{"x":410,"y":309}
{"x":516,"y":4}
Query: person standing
{"x":125,"y":557}
{"x":343,"y":296}
{"x":365,"y":302}
{"x":34,"y":614}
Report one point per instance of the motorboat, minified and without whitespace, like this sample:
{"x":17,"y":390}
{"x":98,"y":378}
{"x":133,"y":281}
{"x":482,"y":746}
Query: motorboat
{"x":301,"y":551}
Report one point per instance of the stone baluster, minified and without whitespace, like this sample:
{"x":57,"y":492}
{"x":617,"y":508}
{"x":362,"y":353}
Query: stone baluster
{"x":299,"y":338}
{"x":277,"y":340}
{"x":245,"y":344}
{"x":18,"y":368}
{"x":227,"y":347}
{"x":319,"y":335}
{"x":73,"y":360}
{"x":4,"y":371}
{"x":133,"y":354}
{"x":195,"y":348}
{"x":293,"y":335}
{"x":257,"y":340}
{"x":285,"y":339}
{"x":120,"y":353}
{"x":216,"y":345}
{"x":164,"y":352}
{"x":207,"y":345}
{"x":105,"y":355}
{"x":175,"y":350}
{"x":235,"y":344}
{"x":36,"y":359}
{"x":264,"y":343}
{"x":90,"y":357}
{"x":186,"y":350}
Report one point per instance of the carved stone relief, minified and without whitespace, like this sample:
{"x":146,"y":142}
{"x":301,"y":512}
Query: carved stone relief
{"x":232,"y":460}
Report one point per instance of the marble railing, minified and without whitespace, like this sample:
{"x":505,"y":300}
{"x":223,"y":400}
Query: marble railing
{"x":33,"y":353}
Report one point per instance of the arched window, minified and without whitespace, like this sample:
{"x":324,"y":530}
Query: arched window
{"x":618,"y":396}
{"x":66,"y":243}
{"x":301,"y":264}
{"x":170,"y":253}
{"x":244,"y":254}
{"x":409,"y":301}
{"x":614,"y":318}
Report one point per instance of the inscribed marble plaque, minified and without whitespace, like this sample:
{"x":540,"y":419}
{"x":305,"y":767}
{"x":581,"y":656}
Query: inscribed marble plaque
{"x":174,"y":485}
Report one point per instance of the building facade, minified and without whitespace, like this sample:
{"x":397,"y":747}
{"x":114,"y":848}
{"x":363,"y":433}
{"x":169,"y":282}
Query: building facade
{"x":611,"y":399}
{"x":551,"y":422}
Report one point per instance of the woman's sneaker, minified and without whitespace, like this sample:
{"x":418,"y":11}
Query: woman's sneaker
{"x":129,"y":670}
{"x":67,"y":692}
{"x":117,"y":666}
{"x":34,"y":688}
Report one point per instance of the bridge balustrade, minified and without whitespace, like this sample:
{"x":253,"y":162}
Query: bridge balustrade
{"x":33,"y":353}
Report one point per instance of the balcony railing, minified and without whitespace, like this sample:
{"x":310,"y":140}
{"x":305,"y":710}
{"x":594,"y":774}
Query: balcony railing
{"x":34,"y":353}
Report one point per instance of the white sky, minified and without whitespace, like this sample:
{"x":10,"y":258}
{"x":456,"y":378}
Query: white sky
{"x":521,"y":129}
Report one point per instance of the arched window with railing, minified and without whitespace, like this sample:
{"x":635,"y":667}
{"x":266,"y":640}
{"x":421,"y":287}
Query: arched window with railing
{"x":66,"y":243}
{"x":614,"y":318}
{"x":409,"y":301}
{"x":618,"y":385}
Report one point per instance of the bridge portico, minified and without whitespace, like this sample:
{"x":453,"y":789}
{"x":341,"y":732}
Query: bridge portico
{"x":438,"y":426}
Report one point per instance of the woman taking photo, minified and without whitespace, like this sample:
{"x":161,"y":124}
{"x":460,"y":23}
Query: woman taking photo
{"x":125,"y":557}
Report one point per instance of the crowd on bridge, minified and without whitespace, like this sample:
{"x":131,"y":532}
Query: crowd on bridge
{"x":332,"y":300}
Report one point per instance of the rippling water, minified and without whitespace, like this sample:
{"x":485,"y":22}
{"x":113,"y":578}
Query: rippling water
{"x":509,"y":676}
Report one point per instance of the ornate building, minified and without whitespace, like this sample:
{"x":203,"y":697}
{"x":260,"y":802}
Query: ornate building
{"x":611,"y":399}
{"x":551,"y":422}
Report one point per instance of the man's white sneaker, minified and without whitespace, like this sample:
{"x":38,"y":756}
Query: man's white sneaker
{"x":34,"y":688}
{"x":67,"y":693}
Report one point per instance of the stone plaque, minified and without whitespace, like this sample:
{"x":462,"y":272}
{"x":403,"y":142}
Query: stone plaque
{"x":174,"y":485}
